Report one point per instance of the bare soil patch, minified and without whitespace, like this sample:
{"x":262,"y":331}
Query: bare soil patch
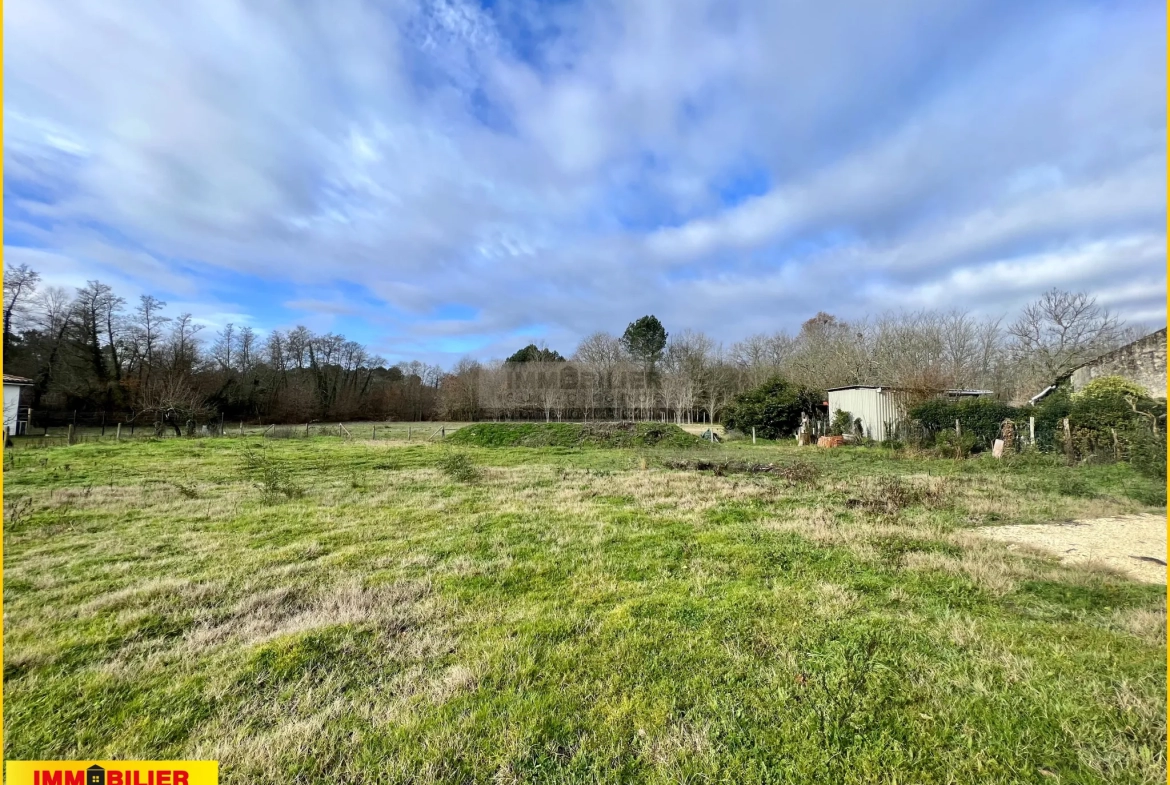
{"x":1132,"y":544}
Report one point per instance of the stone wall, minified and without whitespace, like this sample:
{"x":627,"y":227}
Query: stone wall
{"x":1143,"y":362}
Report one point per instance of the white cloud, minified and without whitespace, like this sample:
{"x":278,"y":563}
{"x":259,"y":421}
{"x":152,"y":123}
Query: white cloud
{"x":562,"y":166}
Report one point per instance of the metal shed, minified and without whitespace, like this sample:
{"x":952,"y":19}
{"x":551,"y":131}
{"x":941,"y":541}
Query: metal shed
{"x":881,"y":408}
{"x":878,"y":408}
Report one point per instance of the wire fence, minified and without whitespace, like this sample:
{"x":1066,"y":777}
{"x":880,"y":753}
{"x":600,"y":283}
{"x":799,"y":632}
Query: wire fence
{"x":44,"y":429}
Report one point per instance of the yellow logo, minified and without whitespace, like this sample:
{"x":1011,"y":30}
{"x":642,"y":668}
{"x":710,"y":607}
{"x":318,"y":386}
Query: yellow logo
{"x":112,"y":772}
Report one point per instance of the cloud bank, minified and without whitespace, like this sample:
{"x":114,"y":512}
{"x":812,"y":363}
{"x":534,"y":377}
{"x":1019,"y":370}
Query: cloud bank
{"x":437,"y":177}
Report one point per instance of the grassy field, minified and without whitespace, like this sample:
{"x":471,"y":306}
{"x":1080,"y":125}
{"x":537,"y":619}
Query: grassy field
{"x":328,"y":610}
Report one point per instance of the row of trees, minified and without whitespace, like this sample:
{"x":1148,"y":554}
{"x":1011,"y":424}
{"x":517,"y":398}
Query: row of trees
{"x":647,"y":373}
{"x":90,"y":350}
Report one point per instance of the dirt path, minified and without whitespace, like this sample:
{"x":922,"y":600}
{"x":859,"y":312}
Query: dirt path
{"x":1116,"y":542}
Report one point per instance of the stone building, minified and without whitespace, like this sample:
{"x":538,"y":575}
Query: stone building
{"x":1142,"y":362}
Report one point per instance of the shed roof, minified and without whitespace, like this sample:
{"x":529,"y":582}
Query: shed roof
{"x":10,"y":379}
{"x":892,"y":387}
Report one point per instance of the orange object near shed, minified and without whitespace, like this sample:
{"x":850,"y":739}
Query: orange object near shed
{"x":830,"y":441}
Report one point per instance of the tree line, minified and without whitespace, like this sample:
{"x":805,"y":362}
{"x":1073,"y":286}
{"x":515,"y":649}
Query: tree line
{"x":648,"y":373}
{"x":90,"y":350}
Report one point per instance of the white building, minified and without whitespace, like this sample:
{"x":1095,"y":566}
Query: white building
{"x":880,"y":408}
{"x":12,"y":388}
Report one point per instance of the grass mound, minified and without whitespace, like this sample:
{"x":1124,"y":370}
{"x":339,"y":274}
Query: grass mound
{"x":563,"y":434}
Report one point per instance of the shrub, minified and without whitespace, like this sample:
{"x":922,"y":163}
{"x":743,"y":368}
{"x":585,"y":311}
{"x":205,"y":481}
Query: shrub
{"x":951,"y":445}
{"x":1110,"y":402}
{"x":773,"y":408}
{"x":1147,"y":452}
{"x":1108,"y":419}
{"x":273,"y":479}
{"x":458,"y":467}
{"x":1049,"y":416}
{"x":842,"y":423}
{"x":980,"y":418}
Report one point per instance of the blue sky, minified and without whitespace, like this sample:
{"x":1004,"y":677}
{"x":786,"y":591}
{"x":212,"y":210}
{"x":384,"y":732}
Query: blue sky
{"x":441,"y":178}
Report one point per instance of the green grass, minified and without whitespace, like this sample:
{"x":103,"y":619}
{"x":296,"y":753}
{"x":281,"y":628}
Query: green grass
{"x":322,"y":610}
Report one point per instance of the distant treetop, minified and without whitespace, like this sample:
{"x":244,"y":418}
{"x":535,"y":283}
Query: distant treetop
{"x":645,"y":339}
{"x":535,"y":354}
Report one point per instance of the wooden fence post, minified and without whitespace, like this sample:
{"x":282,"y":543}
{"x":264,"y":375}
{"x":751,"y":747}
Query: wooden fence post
{"x":753,"y":434}
{"x":374,"y":435}
{"x":103,"y":423}
{"x":118,"y":433}
{"x":221,"y":433}
{"x":958,"y":428}
{"x":408,"y":429}
{"x":1068,"y":445}
{"x":241,"y":427}
{"x":443,"y":432}
{"x":1032,"y":431}
{"x":69,"y":437}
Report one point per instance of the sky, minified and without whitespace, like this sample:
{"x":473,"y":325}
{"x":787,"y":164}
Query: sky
{"x":438,"y":178}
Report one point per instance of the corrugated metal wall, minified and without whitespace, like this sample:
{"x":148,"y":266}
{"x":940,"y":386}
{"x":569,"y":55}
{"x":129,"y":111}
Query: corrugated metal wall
{"x":875,"y":409}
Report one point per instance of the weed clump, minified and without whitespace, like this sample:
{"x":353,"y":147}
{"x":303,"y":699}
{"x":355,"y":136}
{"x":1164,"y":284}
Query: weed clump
{"x":458,"y":467}
{"x":891,"y":495}
{"x":1071,"y":485}
{"x":186,"y":491}
{"x":273,"y":479}
{"x":794,"y":473}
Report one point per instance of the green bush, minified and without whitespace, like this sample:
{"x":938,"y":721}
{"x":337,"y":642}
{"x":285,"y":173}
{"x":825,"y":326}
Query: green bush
{"x":842,"y":423}
{"x":458,"y":467}
{"x":1109,"y":419}
{"x":1147,"y":452}
{"x":773,"y":408}
{"x":1110,"y":402}
{"x":980,"y":418}
{"x":1050,"y":414}
{"x":951,"y":445}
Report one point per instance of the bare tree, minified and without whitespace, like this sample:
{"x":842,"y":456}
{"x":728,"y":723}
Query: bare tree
{"x":1063,"y":330}
{"x":245,"y":349}
{"x":55,"y":314}
{"x":20,"y":284}
{"x":147,"y":329}
{"x":184,"y":344}
{"x":173,"y":401}
{"x":224,"y":348}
